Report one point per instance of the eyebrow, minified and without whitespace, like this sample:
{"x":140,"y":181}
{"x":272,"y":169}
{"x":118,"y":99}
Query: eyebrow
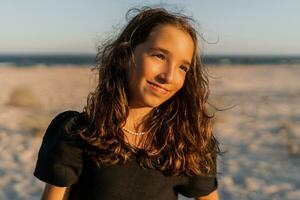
{"x":168,"y":52}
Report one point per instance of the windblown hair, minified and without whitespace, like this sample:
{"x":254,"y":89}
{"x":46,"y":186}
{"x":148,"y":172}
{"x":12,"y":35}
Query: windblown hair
{"x":180,"y":139}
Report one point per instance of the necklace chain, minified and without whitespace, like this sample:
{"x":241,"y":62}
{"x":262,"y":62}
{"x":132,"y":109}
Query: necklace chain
{"x":134,"y":133}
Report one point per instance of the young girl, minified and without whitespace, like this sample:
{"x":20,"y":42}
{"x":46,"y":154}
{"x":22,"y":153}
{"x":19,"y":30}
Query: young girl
{"x":144,"y":133}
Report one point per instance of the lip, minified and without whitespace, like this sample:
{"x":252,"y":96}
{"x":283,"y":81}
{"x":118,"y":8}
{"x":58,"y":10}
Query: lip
{"x":157,"y":87}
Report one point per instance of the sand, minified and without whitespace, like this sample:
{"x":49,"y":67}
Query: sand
{"x":260,"y":132}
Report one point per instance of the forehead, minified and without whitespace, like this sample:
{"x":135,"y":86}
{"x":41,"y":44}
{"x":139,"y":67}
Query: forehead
{"x":173,"y":39}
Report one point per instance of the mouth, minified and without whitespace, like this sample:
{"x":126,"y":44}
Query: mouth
{"x":157,"y":87}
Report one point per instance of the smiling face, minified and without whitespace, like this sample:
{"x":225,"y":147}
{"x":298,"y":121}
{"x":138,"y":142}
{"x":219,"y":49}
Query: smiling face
{"x":161,"y":65}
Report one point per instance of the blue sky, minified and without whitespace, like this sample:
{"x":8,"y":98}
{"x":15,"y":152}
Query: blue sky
{"x":77,"y":26}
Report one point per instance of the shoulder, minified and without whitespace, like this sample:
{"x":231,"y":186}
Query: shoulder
{"x":62,"y":137}
{"x":60,"y":155}
{"x":66,"y":123}
{"x":67,"y":119}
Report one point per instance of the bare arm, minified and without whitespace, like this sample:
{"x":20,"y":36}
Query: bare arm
{"x":52,"y":192}
{"x":212,"y":196}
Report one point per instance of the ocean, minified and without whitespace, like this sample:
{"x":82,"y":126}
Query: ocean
{"x":19,"y":60}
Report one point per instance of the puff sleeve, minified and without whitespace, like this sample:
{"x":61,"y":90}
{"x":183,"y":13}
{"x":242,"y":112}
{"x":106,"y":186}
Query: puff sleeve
{"x":197,"y":186}
{"x":60,"y":156}
{"x":200,"y":185}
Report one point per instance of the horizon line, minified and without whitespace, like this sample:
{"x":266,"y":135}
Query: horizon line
{"x":94,"y":54}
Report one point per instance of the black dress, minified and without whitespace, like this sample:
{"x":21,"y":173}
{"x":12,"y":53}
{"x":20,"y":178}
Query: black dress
{"x":62,"y":162}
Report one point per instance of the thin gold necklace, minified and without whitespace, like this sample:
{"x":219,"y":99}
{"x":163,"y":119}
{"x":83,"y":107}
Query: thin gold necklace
{"x":134,"y":133}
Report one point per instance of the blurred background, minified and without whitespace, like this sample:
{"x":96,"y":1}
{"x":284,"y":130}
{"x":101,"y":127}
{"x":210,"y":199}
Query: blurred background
{"x":251,"y":50}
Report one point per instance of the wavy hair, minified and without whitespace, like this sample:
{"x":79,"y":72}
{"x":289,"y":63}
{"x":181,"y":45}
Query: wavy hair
{"x":180,"y":139}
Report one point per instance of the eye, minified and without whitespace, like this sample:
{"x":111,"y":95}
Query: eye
{"x":184,"y":68}
{"x":159,"y":56}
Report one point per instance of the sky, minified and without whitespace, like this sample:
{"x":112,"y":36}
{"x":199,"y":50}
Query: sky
{"x":239,"y":27}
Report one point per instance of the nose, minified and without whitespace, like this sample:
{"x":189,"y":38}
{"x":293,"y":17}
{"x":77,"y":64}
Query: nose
{"x":167,"y":74}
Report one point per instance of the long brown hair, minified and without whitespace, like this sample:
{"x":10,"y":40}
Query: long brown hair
{"x":180,"y":139}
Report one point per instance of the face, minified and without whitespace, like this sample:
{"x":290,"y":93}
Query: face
{"x":161,"y":65}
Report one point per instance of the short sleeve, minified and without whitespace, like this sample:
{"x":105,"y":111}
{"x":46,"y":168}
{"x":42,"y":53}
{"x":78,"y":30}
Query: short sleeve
{"x":200,"y":185}
{"x":60,"y":156}
{"x":197,"y":186}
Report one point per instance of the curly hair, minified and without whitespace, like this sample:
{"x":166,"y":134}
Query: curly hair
{"x":180,"y":139}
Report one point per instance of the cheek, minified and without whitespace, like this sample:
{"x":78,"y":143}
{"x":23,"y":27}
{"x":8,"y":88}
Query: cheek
{"x":180,"y":81}
{"x":177,"y":86}
{"x":149,"y":69}
{"x":137,"y":72}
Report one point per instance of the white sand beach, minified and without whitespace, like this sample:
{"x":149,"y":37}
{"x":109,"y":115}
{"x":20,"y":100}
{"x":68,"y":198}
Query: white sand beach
{"x":260,"y":133}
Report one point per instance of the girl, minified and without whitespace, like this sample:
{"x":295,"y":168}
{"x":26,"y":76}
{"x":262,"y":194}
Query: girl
{"x":145,"y":132}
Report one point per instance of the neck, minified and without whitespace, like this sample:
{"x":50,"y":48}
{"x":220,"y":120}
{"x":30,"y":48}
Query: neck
{"x":134,"y":122}
{"x":136,"y":117}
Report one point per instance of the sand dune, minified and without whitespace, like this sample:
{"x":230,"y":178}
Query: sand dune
{"x":260,"y":133}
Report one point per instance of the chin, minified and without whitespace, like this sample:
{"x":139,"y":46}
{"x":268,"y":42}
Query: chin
{"x":153,"y":102}
{"x":150,"y":102}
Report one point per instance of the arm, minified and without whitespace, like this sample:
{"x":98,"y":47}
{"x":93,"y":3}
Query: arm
{"x":52,"y":192}
{"x":212,"y":196}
